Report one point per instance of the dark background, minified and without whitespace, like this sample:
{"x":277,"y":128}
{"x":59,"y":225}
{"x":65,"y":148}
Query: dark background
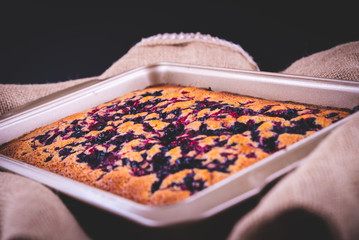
{"x":48,"y":43}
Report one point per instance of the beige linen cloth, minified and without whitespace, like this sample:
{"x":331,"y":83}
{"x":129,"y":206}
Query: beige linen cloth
{"x":321,"y":195}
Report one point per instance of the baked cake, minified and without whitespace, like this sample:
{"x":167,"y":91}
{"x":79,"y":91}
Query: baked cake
{"x":162,"y":144}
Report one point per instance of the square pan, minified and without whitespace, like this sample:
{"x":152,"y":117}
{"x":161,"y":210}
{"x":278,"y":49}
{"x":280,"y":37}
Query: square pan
{"x":214,"y":199}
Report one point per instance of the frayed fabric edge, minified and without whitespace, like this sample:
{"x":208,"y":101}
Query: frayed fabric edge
{"x":197,"y":36}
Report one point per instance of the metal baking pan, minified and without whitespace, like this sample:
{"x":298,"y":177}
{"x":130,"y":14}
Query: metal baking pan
{"x":214,"y":199}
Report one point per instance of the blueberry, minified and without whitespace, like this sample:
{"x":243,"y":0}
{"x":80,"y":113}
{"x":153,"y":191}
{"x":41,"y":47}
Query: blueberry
{"x":98,"y":126}
{"x":129,"y":103}
{"x":291,"y":113}
{"x":239,"y":128}
{"x":269,"y":145}
{"x":144,"y":156}
{"x":105,"y":162}
{"x":330,"y":115}
{"x":304,"y":125}
{"x":77,"y":132}
{"x":355,"y":109}
{"x":103,"y":137}
{"x":138,"y":172}
{"x":163,"y":115}
{"x":156,"y":93}
{"x":164,"y":149}
{"x":251,"y":123}
{"x":255,"y":135}
{"x":214,"y":107}
{"x":156,"y":101}
{"x":217,"y":132}
{"x":185,"y":145}
{"x":170,"y":133}
{"x":159,"y":161}
{"x":147,"y":127}
{"x":63,"y":153}
{"x":48,"y":159}
{"x":203,"y":128}
{"x":52,"y":138}
{"x":93,"y":160}
{"x":222,"y":143}
{"x":287,"y":114}
{"x":238,"y":111}
{"x":163,"y":173}
{"x":133,"y":110}
{"x":42,"y":138}
{"x":314,"y":111}
{"x":146,"y":94}
{"x":265,"y":108}
{"x":215,"y":165}
{"x":155,"y":186}
{"x":190,"y":184}
{"x":110,"y":159}
{"x":177,"y":112}
{"x":249,"y":112}
{"x":137,"y":120}
{"x":198,"y":185}
{"x":125,"y":161}
{"x":251,"y":155}
{"x":279,"y":129}
{"x":188,"y":181}
{"x":188,"y":163}
{"x":124,"y":138}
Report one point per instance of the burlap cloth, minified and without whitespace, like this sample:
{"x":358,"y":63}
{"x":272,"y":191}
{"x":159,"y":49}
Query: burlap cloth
{"x":321,"y":197}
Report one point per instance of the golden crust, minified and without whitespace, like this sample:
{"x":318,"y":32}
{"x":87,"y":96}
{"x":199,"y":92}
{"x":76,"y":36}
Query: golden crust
{"x":162,"y":144}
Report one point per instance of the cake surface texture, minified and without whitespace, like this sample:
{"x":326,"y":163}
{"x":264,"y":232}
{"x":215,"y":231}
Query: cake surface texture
{"x":162,"y":144}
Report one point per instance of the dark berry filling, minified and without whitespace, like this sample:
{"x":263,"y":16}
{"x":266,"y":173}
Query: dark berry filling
{"x":98,"y":159}
{"x":330,"y":115}
{"x":355,"y":109}
{"x":299,"y":127}
{"x":63,"y":153}
{"x":156,"y":94}
{"x":251,"y":155}
{"x":269,"y":145}
{"x":287,"y":114}
{"x":190,"y":184}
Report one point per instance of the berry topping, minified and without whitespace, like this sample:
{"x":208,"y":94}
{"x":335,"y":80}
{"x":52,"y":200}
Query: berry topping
{"x":163,"y":133}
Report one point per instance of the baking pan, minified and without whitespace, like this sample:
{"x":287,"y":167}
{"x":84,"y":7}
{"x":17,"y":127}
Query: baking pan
{"x":214,"y":199}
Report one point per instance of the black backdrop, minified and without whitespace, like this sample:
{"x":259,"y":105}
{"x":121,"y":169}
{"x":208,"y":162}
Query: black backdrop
{"x":53,"y":43}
